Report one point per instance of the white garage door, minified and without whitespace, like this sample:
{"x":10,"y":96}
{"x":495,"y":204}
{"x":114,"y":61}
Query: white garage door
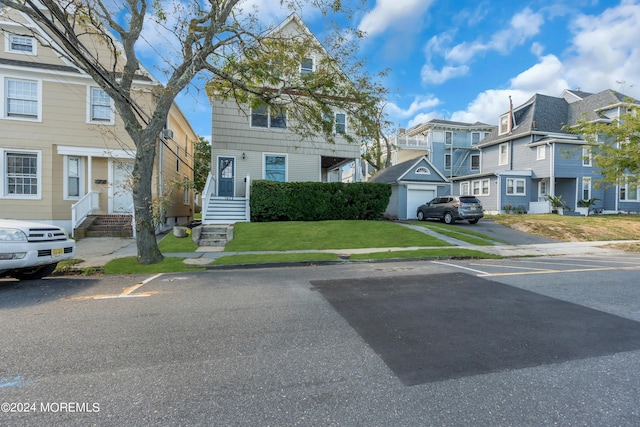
{"x":417,"y":197}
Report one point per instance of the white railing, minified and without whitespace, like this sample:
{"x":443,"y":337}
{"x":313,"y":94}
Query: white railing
{"x":83,"y":208}
{"x":208,"y":192}
{"x":247,"y":183}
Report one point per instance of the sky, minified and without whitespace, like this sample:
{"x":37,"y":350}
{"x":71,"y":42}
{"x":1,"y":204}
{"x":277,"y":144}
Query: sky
{"x":461,"y":60}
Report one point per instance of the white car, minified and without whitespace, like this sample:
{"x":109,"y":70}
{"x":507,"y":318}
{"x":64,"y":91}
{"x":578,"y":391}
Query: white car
{"x":31,"y":250}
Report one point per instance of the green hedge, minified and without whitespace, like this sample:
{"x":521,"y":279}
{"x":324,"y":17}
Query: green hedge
{"x":317,"y":201}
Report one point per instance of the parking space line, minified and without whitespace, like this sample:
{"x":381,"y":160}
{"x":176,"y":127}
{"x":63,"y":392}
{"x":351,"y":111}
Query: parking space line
{"x":574,"y":270}
{"x":126,"y":293}
{"x":480,"y":272}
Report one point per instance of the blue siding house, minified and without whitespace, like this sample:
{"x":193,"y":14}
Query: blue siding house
{"x":531,"y":156}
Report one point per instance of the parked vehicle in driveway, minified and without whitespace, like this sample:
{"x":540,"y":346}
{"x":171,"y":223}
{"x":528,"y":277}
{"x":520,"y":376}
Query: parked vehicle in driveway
{"x":451,"y":208}
{"x":31,"y":250}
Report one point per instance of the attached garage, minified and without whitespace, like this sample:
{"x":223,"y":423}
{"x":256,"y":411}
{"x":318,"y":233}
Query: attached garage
{"x":414,"y":182}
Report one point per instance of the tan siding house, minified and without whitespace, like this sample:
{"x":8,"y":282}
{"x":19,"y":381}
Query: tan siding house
{"x":64,"y":151}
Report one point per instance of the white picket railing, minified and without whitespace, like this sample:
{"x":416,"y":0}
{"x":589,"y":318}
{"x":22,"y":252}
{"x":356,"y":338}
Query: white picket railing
{"x":83,"y":208}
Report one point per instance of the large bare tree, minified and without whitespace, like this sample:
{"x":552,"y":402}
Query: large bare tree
{"x":225,"y":43}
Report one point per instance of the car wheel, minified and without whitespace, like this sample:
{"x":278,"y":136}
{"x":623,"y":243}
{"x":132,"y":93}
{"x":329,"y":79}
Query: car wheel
{"x":420,"y":216}
{"x":473,"y":221}
{"x":448,"y":218}
{"x":36,"y":272}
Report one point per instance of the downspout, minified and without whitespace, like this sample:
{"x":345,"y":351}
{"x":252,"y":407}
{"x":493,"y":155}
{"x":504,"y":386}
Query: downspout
{"x":552,"y":169}
{"x":499,"y":198}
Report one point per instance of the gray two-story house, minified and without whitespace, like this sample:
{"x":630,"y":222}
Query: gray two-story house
{"x":532,"y":155}
{"x":258,"y":143}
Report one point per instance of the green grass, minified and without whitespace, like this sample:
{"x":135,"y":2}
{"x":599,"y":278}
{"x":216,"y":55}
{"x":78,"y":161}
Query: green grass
{"x":275,"y":258}
{"x":130,"y":265}
{"x":425,"y":253}
{"x":281,"y":236}
{"x":171,"y":243}
{"x":460,"y":233}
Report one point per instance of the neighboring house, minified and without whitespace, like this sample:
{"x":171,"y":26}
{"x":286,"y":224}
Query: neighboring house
{"x":413,"y":183}
{"x":531,"y":155}
{"x":64,"y":152}
{"x":249,"y":144}
{"x":452,"y":147}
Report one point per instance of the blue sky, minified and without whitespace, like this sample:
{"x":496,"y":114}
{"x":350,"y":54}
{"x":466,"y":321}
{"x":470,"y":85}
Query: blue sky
{"x":461,"y":60}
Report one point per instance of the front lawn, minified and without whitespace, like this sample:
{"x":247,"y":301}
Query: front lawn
{"x":283,"y":236}
{"x":575,"y":228}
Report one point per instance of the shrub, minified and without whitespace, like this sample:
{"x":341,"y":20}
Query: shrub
{"x":317,"y":201}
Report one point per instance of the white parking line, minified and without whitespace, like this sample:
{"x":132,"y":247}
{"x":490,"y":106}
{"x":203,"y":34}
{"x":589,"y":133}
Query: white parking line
{"x":128,"y":292}
{"x":480,"y":272}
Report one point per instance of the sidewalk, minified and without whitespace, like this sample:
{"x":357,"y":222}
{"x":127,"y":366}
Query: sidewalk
{"x":97,"y":251}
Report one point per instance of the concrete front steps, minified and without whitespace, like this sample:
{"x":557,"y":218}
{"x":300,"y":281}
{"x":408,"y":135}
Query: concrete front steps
{"x":215,"y":236}
{"x":105,"y":226}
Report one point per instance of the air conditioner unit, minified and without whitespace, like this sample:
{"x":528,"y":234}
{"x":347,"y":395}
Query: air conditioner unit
{"x":167,"y":134}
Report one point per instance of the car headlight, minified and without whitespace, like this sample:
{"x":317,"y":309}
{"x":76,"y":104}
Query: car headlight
{"x":12,"y":235}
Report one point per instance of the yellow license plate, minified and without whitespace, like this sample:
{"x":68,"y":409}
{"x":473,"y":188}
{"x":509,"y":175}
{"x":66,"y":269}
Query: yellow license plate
{"x":56,"y":253}
{"x":472,"y":208}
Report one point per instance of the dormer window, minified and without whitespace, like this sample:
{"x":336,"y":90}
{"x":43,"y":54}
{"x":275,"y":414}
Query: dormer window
{"x":504,"y":124}
{"x":20,"y":44}
{"x":308,"y":66}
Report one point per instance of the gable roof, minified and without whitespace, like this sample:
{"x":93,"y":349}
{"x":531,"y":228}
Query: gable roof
{"x":543,"y":114}
{"x":404,"y":172}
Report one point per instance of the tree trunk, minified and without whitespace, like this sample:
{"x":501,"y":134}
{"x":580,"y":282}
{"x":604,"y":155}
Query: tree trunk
{"x":148,"y":252}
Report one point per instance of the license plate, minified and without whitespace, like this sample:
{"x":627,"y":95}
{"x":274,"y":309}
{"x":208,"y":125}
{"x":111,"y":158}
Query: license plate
{"x":472,"y":208}
{"x":57,"y":253}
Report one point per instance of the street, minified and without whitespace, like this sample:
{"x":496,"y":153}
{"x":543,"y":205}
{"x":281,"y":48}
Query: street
{"x":523,"y":341}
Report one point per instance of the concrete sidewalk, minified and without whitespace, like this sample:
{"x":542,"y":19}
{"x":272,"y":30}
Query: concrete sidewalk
{"x":97,"y":251}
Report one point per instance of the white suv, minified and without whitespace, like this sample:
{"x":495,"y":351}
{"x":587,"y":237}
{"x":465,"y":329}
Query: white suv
{"x":30,"y":250}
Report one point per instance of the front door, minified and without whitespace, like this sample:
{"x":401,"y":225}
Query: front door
{"x":122,"y":182}
{"x":225,"y":176}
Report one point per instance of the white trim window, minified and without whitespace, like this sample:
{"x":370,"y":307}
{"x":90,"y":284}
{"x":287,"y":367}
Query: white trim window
{"x":475,"y":162}
{"x":503,"y":154}
{"x":475,"y":138}
{"x":308,"y":65}
{"x":275,"y":167}
{"x":186,"y":192}
{"x":464,"y":189}
{"x":586,"y":188}
{"x":22,"y":99}
{"x":270,"y":118}
{"x":23,"y":45}
{"x":629,"y":192}
{"x":587,"y":160}
{"x":447,"y":161}
{"x":448,"y":137}
{"x":516,"y":187}
{"x":541,"y":152}
{"x":21,"y":174}
{"x":480,"y":187}
{"x":341,"y":123}
{"x":74,"y":177}
{"x":504,"y":125}
{"x":100,"y":106}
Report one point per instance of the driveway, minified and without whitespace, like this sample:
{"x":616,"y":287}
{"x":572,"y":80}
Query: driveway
{"x":505,"y":234}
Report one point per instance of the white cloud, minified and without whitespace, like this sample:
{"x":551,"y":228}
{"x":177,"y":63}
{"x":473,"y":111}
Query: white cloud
{"x":604,"y":54}
{"x":522,"y":27}
{"x":430,"y":75}
{"x":605,"y":50}
{"x":393,"y":13}
{"x":419,"y":104}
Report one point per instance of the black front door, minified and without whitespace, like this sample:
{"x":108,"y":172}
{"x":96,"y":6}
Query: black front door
{"x":225,"y":176}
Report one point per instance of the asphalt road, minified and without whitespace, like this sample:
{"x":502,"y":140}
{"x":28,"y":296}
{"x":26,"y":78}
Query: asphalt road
{"x":483,"y":343}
